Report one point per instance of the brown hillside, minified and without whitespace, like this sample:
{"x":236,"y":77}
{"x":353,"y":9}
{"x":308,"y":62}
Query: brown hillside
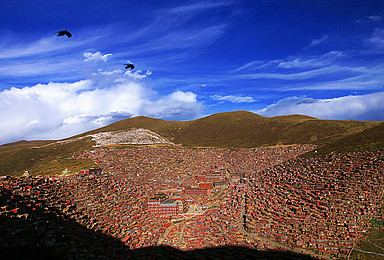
{"x":230,"y":129}
{"x":48,"y":159}
{"x":370,"y":139}
{"x":244,"y":129}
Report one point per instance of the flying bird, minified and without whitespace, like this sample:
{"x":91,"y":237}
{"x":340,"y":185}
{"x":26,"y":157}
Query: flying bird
{"x":129,"y":66}
{"x":61,"y":33}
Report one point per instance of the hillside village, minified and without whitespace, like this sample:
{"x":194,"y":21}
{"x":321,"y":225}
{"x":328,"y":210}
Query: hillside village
{"x":192,"y":129}
{"x":187,"y":198}
{"x":146,"y":192}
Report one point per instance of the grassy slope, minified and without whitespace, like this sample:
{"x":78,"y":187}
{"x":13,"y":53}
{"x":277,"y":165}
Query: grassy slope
{"x":244,"y":129}
{"x":368,"y":140}
{"x":231,"y":129}
{"x":50,"y":159}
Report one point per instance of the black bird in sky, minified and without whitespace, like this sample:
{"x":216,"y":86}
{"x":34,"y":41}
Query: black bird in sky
{"x":61,"y":33}
{"x":131,"y":66}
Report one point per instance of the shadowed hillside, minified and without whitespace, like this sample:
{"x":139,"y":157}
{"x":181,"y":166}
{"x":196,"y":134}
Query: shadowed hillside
{"x":239,"y":129}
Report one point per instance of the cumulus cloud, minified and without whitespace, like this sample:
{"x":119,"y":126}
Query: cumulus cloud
{"x":175,"y":106}
{"x":97,"y":56}
{"x":233,"y":99}
{"x":99,"y":119}
{"x":59,"y":110}
{"x":358,"y":107}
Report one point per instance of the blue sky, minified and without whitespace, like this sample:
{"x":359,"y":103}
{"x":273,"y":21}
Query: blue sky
{"x":192,"y":59}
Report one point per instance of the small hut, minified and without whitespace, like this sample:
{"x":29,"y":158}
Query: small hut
{"x":26,"y":174}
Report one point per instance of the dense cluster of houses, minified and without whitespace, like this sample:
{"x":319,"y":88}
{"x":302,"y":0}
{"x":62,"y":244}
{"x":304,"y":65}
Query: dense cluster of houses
{"x":192,"y":198}
{"x":323,"y":204}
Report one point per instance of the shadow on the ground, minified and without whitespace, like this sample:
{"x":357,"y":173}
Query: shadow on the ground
{"x":48,"y":234}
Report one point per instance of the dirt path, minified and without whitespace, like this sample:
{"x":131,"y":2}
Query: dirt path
{"x":164,"y":235}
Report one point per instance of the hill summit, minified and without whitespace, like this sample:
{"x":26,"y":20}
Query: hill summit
{"x":244,"y":129}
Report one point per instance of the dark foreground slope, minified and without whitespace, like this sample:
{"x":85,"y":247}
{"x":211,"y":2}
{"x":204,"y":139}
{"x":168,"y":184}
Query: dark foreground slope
{"x":239,"y":129}
{"x":46,"y":233}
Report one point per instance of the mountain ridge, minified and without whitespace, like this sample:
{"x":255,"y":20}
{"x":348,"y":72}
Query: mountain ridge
{"x":236,"y":129}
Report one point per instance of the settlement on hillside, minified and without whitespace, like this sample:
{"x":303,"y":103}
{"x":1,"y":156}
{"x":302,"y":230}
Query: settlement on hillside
{"x":264,"y":198}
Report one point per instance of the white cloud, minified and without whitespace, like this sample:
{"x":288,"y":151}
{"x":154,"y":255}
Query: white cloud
{"x":233,"y":99}
{"x":359,"y":107}
{"x":136,"y":75}
{"x":58,"y":110}
{"x":351,"y":83}
{"x":377,"y":38}
{"x":109,"y":73}
{"x":297,"y":62}
{"x":301,"y":63}
{"x":97,"y":56}
{"x":42,"y":67}
{"x":185,"y":39}
{"x":185,"y":97}
{"x":44,"y":46}
{"x":197,"y":7}
{"x":370,"y":18}
{"x":375,"y":18}
{"x":296,"y":75}
{"x":248,"y":65}
{"x":326,"y":71}
{"x":175,"y":106}
{"x":319,"y":40}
